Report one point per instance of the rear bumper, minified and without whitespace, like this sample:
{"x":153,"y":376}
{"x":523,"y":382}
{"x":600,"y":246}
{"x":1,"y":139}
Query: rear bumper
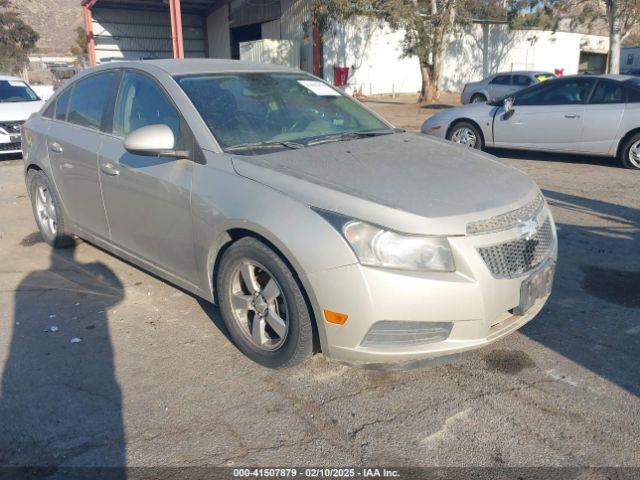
{"x":479,"y":308}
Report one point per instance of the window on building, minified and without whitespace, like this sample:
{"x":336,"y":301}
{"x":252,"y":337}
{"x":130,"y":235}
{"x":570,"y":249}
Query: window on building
{"x":630,"y":57}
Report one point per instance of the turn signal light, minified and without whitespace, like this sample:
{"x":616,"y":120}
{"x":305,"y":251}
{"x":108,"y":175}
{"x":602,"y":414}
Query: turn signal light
{"x":335,"y":317}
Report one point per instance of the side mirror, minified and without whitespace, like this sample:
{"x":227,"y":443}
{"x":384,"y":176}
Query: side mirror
{"x":153,"y":140}
{"x":507,"y":104}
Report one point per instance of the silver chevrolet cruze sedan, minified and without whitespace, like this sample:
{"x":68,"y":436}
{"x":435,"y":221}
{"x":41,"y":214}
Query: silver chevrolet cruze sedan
{"x":312,"y":222}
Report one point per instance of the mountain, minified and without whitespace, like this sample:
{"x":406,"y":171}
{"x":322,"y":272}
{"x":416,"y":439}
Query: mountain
{"x":54,"y":20}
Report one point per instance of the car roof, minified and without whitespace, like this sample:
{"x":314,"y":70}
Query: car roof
{"x":523,"y":72}
{"x":192,"y":66}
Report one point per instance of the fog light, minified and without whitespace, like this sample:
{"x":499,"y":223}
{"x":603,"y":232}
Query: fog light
{"x":399,"y":334}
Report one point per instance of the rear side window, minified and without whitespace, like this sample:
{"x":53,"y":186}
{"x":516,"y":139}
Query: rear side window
{"x":61,"y":105}
{"x":89,"y":99}
{"x":141,"y":102}
{"x":607,"y":92}
{"x":501,"y":80}
{"x":633,"y":95}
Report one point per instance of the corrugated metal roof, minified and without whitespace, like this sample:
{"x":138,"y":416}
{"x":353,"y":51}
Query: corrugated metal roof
{"x":187,"y":6}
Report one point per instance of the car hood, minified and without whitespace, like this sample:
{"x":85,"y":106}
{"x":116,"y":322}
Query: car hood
{"x":408,"y":182}
{"x":18,"y":111}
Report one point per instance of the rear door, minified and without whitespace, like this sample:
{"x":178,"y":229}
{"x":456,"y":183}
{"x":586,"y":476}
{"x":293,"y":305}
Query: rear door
{"x":602,"y":118}
{"x":74,"y":139}
{"x":547,"y":116}
{"x":148,"y":199}
{"x":500,"y":86}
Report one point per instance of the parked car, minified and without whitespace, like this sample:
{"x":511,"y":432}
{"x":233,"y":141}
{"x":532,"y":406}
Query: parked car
{"x":17,"y":102}
{"x":591,"y":115}
{"x":501,"y":84}
{"x":307,"y":218}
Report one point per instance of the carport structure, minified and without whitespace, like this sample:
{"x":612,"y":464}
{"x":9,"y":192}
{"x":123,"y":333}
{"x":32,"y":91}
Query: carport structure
{"x":142,"y":29}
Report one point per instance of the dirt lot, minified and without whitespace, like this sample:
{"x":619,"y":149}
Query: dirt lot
{"x":155,"y":381}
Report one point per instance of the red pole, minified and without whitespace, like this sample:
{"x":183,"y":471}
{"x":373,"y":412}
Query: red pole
{"x":176,"y":28}
{"x":88,"y":28}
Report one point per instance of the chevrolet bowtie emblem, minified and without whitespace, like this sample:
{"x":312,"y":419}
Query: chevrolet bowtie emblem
{"x":528,"y":228}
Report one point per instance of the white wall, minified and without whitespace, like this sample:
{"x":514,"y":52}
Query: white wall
{"x":514,"y":50}
{"x":372,"y":52}
{"x":218,"y":33}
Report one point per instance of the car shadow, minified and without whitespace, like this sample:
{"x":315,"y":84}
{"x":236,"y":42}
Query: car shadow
{"x":60,"y":403}
{"x":593,"y":315}
{"x":554,"y":157}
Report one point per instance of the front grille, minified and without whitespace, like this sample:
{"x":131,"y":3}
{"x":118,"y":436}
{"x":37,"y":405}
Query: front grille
{"x":8,"y":147}
{"x":507,"y":220}
{"x":389,"y":334}
{"x":514,"y":258}
{"x":12,"y":128}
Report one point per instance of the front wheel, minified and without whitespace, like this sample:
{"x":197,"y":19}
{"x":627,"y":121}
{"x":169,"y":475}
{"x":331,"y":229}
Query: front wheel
{"x":466,"y":133}
{"x":478,"y":98}
{"x":263,"y":306}
{"x":630,"y":153}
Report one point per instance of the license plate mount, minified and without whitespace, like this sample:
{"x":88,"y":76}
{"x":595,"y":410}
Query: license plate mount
{"x":14,"y":138}
{"x":537,"y":286}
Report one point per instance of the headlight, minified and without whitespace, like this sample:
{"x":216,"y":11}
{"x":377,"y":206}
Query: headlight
{"x":378,"y":247}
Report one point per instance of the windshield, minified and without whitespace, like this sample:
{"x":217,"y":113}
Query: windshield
{"x":276,"y":109}
{"x":16,"y":91}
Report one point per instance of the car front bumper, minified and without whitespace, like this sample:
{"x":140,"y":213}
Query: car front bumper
{"x":477,"y":307}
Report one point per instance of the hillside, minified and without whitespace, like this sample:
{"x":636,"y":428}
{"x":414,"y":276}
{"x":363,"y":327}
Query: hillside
{"x":54,"y":20}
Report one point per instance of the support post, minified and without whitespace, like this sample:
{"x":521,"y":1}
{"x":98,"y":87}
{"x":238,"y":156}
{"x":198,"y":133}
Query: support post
{"x":88,"y":28}
{"x":176,"y":28}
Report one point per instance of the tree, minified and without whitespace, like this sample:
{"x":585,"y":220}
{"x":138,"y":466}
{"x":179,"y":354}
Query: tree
{"x":620,"y":17}
{"x":428,"y":24}
{"x":17,"y":39}
{"x":79,"y":48}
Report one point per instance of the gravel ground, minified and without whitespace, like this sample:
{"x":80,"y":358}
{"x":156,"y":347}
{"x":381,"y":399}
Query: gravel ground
{"x":155,"y":381}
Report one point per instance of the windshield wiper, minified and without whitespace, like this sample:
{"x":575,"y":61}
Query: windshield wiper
{"x":341,"y":137}
{"x":261,"y":145}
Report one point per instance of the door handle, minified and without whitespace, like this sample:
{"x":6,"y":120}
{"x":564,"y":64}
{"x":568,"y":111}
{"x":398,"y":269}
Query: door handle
{"x":572,"y":115}
{"x":109,"y":169}
{"x":56,"y":147}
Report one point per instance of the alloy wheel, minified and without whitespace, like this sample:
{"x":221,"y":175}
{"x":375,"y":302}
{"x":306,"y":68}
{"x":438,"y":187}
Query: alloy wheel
{"x":258,"y":305}
{"x":464,"y":136}
{"x":46,"y":210}
{"x":634,"y":154}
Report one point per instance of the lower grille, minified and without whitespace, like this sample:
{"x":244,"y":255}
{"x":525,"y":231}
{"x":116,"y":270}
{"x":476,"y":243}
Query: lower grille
{"x":399,"y":334}
{"x":8,"y":147}
{"x":515,"y":258}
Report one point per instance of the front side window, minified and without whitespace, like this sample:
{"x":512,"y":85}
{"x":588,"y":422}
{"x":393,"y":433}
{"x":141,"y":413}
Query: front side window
{"x":565,"y":92}
{"x":12,"y":91}
{"x":140,"y":103}
{"x":501,"y":80}
{"x":250,"y":108}
{"x":89,"y":99}
{"x":522,"y":80}
{"x":607,"y":92}
{"x":633,"y":95}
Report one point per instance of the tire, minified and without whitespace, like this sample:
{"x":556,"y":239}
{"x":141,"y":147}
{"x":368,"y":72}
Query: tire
{"x":477,"y":98}
{"x":466,"y":133}
{"x":47,"y":211}
{"x":266,"y":342}
{"x":630,"y":152}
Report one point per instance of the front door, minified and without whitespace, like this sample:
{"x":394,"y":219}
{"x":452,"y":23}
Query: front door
{"x":148,"y":199}
{"x":74,"y":139}
{"x":548,"y":116}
